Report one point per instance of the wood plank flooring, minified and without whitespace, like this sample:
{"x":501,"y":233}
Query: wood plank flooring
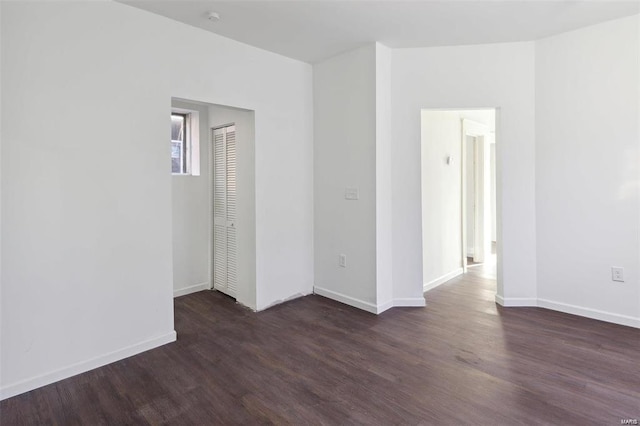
{"x":460,"y":360}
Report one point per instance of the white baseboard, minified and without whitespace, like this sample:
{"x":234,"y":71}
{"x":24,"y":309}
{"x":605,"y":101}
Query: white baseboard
{"x":381,"y":307}
{"x":509,"y":302}
{"x":443,"y":279}
{"x":81,"y":367}
{"x":368,"y":306}
{"x":569,"y":309}
{"x":416,"y":302}
{"x":191,"y":289}
{"x":347,"y":300}
{"x":401,"y":303}
{"x":590,"y":313}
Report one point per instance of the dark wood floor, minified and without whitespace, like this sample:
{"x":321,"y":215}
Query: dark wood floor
{"x":460,"y":360}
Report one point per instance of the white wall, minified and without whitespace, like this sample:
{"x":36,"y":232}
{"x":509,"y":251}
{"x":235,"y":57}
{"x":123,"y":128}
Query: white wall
{"x":245,"y":197}
{"x":1,"y":107}
{"x":345,"y":156}
{"x":384,"y":220}
{"x":492,"y":165}
{"x":588,"y":170}
{"x":190,"y":216}
{"x":86,"y":184}
{"x":470,"y":141}
{"x":441,"y":194}
{"x":498,"y":75}
{"x":354,"y":141}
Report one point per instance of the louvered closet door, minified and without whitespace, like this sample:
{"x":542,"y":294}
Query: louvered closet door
{"x":225,"y":276}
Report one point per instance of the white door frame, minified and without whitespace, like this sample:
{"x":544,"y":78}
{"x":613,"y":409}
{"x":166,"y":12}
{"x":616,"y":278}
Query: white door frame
{"x":482,"y":230}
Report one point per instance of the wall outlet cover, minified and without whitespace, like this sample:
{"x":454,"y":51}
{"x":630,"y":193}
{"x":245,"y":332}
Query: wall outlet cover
{"x":617,"y":273}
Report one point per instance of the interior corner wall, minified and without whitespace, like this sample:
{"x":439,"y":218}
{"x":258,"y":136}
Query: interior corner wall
{"x":450,"y":77}
{"x":588,"y":170}
{"x":245,"y":197}
{"x":86,"y":183}
{"x":345,"y":157}
{"x":384,"y":143}
{"x":190,"y":216}
{"x":1,"y":303}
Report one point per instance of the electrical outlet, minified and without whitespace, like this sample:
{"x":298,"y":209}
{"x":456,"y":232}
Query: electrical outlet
{"x":342,"y":260}
{"x":617,"y":273}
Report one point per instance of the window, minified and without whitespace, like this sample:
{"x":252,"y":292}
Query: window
{"x":179,"y":143}
{"x":185,"y":142}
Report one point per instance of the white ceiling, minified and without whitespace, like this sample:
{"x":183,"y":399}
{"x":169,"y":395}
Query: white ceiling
{"x":315,"y":30}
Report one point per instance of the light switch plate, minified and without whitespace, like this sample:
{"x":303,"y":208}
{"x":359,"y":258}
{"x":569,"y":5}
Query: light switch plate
{"x":351,"y":194}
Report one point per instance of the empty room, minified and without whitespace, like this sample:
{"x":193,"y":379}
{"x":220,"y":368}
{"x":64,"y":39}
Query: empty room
{"x":319,"y":212}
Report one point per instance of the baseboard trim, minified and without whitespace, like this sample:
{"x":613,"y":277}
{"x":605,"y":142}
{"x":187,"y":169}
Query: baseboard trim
{"x":443,"y":279}
{"x":380,"y":308}
{"x":512,"y":302}
{"x":368,"y":306}
{"x":415,"y":302}
{"x":590,"y":313}
{"x":569,"y":309}
{"x":191,"y":289}
{"x":84,"y":366}
{"x":347,"y":300}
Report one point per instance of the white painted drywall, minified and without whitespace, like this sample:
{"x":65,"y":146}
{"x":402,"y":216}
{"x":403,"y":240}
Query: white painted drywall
{"x":441,"y":193}
{"x":353,"y":142}
{"x":470,"y":155}
{"x":492,"y":166}
{"x":283,"y":178}
{"x":86,"y":184}
{"x":190,"y":215}
{"x":442,"y":78}
{"x":245,"y":197}
{"x":1,"y":103}
{"x":345,"y":156}
{"x":588,"y":169}
{"x":384,"y":200}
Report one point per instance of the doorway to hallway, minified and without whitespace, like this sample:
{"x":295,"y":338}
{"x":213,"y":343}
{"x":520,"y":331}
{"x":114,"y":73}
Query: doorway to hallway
{"x":459,"y":214}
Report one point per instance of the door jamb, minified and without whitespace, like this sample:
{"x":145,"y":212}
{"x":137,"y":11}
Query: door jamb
{"x":482,"y":134}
